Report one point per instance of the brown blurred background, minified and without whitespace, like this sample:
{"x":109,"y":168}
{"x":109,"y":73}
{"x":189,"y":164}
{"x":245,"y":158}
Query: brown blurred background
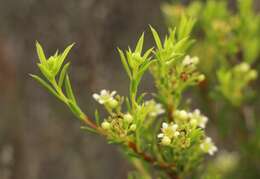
{"x":38,"y":137}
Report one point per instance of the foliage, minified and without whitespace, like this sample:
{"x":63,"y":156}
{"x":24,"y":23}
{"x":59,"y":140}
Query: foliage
{"x":160,"y":135}
{"x":228,"y":44}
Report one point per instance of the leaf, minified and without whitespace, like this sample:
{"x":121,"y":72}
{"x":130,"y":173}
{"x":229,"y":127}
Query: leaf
{"x":64,"y":55}
{"x":180,"y":45}
{"x":128,"y":105}
{"x":89,"y":129}
{"x":124,"y":62}
{"x":172,"y":35}
{"x":69,"y":89}
{"x":140,"y":44}
{"x":141,"y":97}
{"x":156,"y":38}
{"x":63,"y":74}
{"x":46,"y":85}
{"x":40,"y":53}
{"x":97,"y":117}
{"x":147,"y":53}
{"x":45,"y":71}
{"x":185,"y":27}
{"x":143,"y":69}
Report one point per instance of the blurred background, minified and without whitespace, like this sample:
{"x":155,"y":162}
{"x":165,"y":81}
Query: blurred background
{"x":38,"y":137}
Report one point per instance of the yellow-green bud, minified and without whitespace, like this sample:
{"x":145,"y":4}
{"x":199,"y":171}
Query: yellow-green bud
{"x":133,"y":127}
{"x":105,"y":125}
{"x":253,"y":74}
{"x":128,"y":117}
{"x":166,"y":140}
{"x":113,"y":103}
{"x":201,"y":77}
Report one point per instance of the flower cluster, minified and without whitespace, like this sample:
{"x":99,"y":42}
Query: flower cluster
{"x":169,"y":131}
{"x":195,"y":118}
{"x":182,"y":129}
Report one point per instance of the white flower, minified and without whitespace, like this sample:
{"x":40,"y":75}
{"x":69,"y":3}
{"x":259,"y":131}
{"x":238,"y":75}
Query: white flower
{"x":203,"y":121}
{"x":208,"y":146}
{"x":188,"y":60}
{"x":154,"y":108}
{"x":106,"y":97}
{"x":197,"y":119}
{"x":169,"y":131}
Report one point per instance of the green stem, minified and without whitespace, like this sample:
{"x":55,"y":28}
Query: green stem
{"x":139,"y":166}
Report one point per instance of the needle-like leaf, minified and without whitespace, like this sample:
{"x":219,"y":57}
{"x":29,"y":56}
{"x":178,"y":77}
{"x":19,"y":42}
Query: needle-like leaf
{"x":40,"y":53}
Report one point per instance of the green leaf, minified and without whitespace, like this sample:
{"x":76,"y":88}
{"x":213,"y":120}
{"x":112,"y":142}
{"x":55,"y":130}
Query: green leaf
{"x":144,"y":67}
{"x":63,"y":74}
{"x":156,"y":38}
{"x":124,"y":62}
{"x":97,"y":117}
{"x":69,"y":89}
{"x":46,"y":85}
{"x":128,"y":105}
{"x":147,"y":53}
{"x":89,"y":129}
{"x":181,"y":45}
{"x":141,"y":97}
{"x":45,"y":71}
{"x":64,"y":55}
{"x":185,"y":27}
{"x":140,"y":43}
{"x":40,"y":53}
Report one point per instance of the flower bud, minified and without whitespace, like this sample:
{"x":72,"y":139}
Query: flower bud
{"x":244,"y":67}
{"x":105,"y":125}
{"x":113,"y":103}
{"x":201,"y":77}
{"x":128,"y":117}
{"x":166,"y":140}
{"x":133,"y":127}
{"x":252,"y":74}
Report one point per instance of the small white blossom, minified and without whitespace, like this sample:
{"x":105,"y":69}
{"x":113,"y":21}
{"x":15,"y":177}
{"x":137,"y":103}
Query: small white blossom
{"x":106,"y":97}
{"x":197,"y":119}
{"x":169,"y":131}
{"x":208,"y":146}
{"x":203,"y":121}
{"x":154,"y":108}
{"x":190,"y":60}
